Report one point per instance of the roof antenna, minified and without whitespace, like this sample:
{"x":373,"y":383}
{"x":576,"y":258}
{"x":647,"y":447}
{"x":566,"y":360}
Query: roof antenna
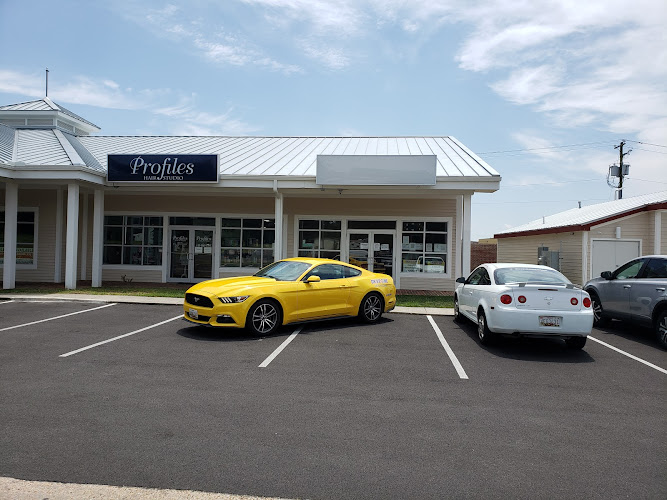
{"x":47,"y":82}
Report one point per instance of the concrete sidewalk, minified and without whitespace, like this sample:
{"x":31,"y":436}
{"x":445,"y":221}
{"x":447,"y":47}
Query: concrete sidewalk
{"x":137,"y":299}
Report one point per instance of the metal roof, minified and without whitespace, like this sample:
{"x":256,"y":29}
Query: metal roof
{"x":45,"y":104}
{"x":293,"y":156}
{"x":584,"y":217}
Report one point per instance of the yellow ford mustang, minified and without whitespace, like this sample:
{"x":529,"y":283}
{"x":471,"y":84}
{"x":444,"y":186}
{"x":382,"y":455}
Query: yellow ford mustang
{"x":290,"y":291}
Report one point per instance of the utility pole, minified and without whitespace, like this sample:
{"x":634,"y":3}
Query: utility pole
{"x":620,"y":164}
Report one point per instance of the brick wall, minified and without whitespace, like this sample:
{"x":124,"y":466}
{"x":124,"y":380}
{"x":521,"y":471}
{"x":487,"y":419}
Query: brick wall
{"x":481,"y":253}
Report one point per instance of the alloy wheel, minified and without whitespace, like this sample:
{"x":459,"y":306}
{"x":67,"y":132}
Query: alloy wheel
{"x":372,"y":308}
{"x":264,"y":318}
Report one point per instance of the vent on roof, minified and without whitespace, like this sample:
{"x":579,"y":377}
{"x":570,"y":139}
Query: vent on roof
{"x":65,"y":126}
{"x":15,"y":122}
{"x":40,"y":122}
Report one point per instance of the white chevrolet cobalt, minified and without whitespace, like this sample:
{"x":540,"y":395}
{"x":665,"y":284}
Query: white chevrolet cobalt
{"x":524,"y":300}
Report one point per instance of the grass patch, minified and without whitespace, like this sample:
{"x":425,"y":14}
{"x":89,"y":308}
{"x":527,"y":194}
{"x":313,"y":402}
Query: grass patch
{"x":424,"y":301}
{"x":177,"y":290}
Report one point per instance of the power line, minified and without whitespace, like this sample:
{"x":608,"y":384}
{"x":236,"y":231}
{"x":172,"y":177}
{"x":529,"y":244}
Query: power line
{"x":647,"y":143}
{"x":548,"y":183}
{"x":540,"y":201}
{"x":547,"y":148}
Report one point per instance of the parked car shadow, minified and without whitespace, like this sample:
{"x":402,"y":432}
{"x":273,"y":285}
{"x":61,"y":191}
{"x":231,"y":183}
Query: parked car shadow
{"x":210,"y":334}
{"x":529,"y":349}
{"x":635,"y":333}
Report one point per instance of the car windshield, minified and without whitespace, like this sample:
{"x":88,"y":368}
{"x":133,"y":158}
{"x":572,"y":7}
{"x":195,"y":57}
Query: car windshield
{"x":507,"y":275}
{"x":284,"y":270}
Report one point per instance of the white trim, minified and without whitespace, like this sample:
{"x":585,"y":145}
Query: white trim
{"x":10,"y":236}
{"x":458,"y":270}
{"x":165,"y":249}
{"x":98,"y":238}
{"x":72,"y":239}
{"x":84,"y":235}
{"x":465,"y":245}
{"x":585,"y":266}
{"x":58,"y":266}
{"x":657,"y":233}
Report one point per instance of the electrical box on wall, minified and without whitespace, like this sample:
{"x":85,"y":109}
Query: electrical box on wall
{"x":546,"y":257}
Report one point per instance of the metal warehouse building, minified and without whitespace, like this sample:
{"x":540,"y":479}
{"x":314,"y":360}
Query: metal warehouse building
{"x":79,"y":206}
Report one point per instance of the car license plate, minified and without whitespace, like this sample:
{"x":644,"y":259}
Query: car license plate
{"x":550,"y":320}
{"x":193,"y":313}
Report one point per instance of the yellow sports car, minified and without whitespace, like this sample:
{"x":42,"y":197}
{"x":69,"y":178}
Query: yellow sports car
{"x":290,"y":291}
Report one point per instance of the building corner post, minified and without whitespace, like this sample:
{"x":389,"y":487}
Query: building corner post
{"x":279,"y":250}
{"x":98,"y":231}
{"x":465,"y":243}
{"x":72,"y":238}
{"x":11,"y":216}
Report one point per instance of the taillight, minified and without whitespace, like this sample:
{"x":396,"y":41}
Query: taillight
{"x":506,"y":299}
{"x":574,"y":301}
{"x":587,"y":302}
{"x":522,"y":299}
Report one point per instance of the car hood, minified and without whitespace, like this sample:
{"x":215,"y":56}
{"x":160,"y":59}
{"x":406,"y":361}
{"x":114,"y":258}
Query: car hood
{"x":230,"y":286}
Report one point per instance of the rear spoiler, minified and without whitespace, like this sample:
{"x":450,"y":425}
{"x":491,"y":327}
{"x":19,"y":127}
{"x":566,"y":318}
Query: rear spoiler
{"x":568,"y":286}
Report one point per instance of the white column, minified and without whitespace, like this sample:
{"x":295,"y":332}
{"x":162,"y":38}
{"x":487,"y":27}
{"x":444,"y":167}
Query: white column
{"x":98,"y":234}
{"x":278,"y":250}
{"x":58,"y":253}
{"x":72,"y":238}
{"x":166,"y":249}
{"x":584,"y":257}
{"x":465,"y":243}
{"x":84,"y":236}
{"x":11,"y":215}
{"x":216,"y":248}
{"x":657,"y":234}
{"x":459,"y":234}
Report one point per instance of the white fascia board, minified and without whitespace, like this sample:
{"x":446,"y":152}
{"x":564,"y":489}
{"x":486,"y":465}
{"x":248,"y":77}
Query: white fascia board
{"x":54,"y":172}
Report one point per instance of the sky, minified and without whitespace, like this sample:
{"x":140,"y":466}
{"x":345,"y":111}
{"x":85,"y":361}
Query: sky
{"x":541,"y":90}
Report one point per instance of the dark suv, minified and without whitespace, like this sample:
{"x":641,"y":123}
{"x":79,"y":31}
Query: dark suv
{"x":634,"y":292}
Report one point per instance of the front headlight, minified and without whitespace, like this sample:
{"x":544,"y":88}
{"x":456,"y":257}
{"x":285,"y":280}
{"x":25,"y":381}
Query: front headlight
{"x":233,"y":300}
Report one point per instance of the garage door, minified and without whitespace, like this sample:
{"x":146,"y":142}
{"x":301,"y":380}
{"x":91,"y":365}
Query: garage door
{"x":610,"y":254}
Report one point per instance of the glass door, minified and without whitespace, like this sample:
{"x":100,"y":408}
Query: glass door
{"x":190,"y":254}
{"x":373,"y":251}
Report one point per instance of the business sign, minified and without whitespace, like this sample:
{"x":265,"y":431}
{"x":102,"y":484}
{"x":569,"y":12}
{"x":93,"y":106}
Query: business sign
{"x":162,"y":168}
{"x":376,"y":170}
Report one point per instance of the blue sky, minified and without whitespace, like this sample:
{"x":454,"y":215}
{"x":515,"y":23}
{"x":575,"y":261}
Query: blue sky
{"x":542,"y":90}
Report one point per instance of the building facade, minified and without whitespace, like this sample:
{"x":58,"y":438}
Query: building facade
{"x":80,"y":206}
{"x":591,"y":239}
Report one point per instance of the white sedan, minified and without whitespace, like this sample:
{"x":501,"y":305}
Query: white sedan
{"x":524,"y":300}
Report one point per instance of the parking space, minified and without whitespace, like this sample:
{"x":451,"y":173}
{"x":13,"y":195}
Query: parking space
{"x":343,"y":410}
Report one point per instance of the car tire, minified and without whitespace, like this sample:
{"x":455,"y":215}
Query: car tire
{"x":661,"y":329}
{"x":264,"y":318}
{"x":599,"y":318}
{"x":575,"y":342}
{"x":371,"y":308}
{"x":483,"y":333}
{"x":457,"y":312}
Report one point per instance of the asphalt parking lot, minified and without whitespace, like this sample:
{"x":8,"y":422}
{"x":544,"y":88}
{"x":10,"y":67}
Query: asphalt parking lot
{"x":412,"y":407}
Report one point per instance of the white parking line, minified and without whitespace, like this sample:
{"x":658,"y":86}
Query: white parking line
{"x":56,"y":317}
{"x":119,"y":337}
{"x":6,"y":301}
{"x":450,"y":353}
{"x":282,"y":346}
{"x":628,"y":355}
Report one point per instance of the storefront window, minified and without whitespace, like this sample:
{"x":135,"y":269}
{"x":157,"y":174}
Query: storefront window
{"x":424,"y":247}
{"x":320,"y":238}
{"x":247,"y":242}
{"x":25,"y":237}
{"x":134,"y":240}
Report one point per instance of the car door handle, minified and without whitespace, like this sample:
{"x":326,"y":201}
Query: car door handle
{"x":660,"y":289}
{"x":627,"y":286}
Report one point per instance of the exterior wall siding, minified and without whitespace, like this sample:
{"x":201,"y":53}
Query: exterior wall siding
{"x":663,"y":233}
{"x":523,"y":249}
{"x":635,"y":227}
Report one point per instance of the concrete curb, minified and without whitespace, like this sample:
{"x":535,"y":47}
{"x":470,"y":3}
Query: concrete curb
{"x":137,"y":299}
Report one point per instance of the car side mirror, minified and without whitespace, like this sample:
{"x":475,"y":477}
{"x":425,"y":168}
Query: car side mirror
{"x":313,"y":279}
{"x":460,"y":280}
{"x":606,"y":275}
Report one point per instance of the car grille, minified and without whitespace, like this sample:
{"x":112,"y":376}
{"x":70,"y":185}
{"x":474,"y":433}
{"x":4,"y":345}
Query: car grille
{"x":198,"y":300}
